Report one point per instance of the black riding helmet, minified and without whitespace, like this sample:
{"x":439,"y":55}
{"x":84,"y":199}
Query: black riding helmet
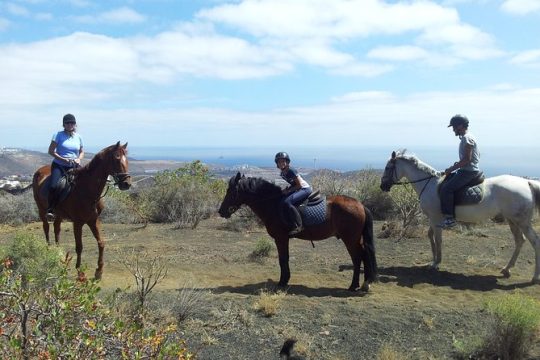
{"x":282,"y":155}
{"x":459,"y":120}
{"x":68,"y":118}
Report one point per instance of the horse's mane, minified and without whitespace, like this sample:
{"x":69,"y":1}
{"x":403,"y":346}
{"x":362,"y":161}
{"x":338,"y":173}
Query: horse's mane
{"x":259,"y":186}
{"x":411,"y":158}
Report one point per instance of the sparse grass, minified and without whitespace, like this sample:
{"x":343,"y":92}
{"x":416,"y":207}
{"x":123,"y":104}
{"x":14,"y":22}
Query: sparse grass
{"x":388,"y":352}
{"x":268,"y":303}
{"x":304,"y":342}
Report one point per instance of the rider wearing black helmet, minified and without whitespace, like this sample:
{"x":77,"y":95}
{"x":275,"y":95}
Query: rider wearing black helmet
{"x":66,"y":148}
{"x":297,"y":191}
{"x":465,"y":169}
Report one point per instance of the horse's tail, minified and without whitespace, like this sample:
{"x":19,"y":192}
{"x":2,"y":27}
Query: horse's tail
{"x":370,"y":261}
{"x":17,"y":191}
{"x":535,"y":188}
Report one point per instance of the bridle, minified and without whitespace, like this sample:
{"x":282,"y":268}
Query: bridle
{"x":395,"y":180}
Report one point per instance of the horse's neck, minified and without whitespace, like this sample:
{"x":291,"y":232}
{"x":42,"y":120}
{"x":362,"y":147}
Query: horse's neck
{"x":94,"y":179}
{"x":420,"y":179}
{"x":266,"y":208}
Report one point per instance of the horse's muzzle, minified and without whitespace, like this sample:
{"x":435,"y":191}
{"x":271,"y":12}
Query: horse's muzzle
{"x":123,"y":181}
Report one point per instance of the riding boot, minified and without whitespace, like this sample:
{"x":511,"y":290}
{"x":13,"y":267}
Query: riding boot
{"x":297,"y":221}
{"x":51,"y":204}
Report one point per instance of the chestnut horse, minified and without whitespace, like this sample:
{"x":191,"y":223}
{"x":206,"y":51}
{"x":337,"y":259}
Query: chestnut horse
{"x":346,"y":219}
{"x":84,"y":203}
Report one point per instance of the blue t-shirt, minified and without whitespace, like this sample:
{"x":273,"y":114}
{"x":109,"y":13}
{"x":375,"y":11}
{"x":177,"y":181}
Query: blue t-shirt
{"x":67,"y":145}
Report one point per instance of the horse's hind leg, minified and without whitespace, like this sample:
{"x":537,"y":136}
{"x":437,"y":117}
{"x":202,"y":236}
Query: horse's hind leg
{"x":519,"y":240}
{"x":535,"y":242}
{"x":94,"y":227}
{"x":355,"y":251}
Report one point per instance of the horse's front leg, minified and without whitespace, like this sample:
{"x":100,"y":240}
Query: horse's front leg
{"x":57,"y":226}
{"x":435,"y":240}
{"x":94,"y":227}
{"x":282,"y":245}
{"x":77,"y":232}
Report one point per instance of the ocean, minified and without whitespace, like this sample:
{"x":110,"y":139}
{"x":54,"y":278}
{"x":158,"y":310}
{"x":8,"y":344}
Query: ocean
{"x":494,"y":161}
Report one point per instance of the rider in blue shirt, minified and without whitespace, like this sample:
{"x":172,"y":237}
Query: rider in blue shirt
{"x":297,"y":191}
{"x":67,"y":150}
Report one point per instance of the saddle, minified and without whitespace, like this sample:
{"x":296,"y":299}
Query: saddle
{"x":65,"y":184}
{"x":313,"y":209}
{"x":471,"y":193}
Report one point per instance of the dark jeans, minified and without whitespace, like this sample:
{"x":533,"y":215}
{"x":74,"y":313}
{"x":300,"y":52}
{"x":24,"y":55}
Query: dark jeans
{"x":292,"y":199}
{"x":57,"y":171}
{"x":448,"y":188}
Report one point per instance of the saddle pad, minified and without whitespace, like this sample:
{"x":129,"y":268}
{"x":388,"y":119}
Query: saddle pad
{"x":313,"y":214}
{"x":470,"y":195}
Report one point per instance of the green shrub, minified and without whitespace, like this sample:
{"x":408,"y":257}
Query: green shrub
{"x":184,"y":196}
{"x":33,"y":259}
{"x":263,"y":247}
{"x":516,"y":320}
{"x":64,"y":319}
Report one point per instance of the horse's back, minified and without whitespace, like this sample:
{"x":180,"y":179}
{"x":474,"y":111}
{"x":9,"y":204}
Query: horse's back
{"x":505,"y":186}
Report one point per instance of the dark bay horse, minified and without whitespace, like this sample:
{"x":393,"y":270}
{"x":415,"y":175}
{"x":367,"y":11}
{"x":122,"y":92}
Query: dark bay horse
{"x":84,"y":204}
{"x":346,"y":219}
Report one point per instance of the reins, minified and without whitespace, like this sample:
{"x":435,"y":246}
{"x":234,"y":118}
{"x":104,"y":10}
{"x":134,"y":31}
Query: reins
{"x":428,"y":178}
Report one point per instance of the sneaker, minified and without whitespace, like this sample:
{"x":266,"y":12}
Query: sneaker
{"x":447,"y":223}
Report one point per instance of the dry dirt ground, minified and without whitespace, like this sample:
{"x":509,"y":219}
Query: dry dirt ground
{"x":415,"y":311}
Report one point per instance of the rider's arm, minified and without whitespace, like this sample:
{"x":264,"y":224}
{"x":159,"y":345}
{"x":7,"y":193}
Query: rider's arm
{"x":54,"y":154}
{"x":81,"y":156}
{"x":463,"y":162}
{"x":293,"y":188}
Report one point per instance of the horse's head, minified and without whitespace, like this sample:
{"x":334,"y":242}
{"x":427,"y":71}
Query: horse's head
{"x":118,"y":166}
{"x":232,"y":200}
{"x":390,"y":175}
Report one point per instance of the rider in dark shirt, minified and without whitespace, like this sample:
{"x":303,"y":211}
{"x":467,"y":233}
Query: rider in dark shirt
{"x":297,"y":191}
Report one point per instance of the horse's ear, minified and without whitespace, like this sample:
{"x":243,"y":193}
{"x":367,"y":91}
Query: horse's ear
{"x":125,"y":145}
{"x":117,"y":145}
{"x":243,"y":176}
{"x":393,"y":155}
{"x":238,"y":176}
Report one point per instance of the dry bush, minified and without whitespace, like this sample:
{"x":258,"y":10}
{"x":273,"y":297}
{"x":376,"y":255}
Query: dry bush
{"x":17,"y":209}
{"x":188,"y":300}
{"x":268,"y":303}
{"x":230,"y":316}
{"x":146,"y":270}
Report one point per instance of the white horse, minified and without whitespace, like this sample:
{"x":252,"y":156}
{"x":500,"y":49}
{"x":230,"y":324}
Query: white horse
{"x":513,"y":197}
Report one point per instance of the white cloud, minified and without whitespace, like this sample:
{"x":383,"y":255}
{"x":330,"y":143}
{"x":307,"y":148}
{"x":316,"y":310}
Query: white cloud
{"x":123,"y":15}
{"x":521,"y":7}
{"x":527,"y":58}
{"x":398,"y":53}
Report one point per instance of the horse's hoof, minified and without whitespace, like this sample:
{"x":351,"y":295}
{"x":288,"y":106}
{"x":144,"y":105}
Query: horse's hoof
{"x":98,"y":274}
{"x":365,"y":287}
{"x":81,"y":276}
{"x":506,"y":273}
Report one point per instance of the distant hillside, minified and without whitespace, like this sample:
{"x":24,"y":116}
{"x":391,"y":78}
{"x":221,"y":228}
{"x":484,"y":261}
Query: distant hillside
{"x":21,"y":162}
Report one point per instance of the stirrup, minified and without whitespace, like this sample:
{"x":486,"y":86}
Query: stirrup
{"x":296,"y":230}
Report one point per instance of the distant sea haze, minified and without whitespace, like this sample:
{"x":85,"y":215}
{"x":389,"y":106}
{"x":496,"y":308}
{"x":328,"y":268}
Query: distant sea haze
{"x":494,"y":160}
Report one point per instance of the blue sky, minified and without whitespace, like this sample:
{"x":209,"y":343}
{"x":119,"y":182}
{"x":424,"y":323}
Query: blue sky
{"x":270,"y":73}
